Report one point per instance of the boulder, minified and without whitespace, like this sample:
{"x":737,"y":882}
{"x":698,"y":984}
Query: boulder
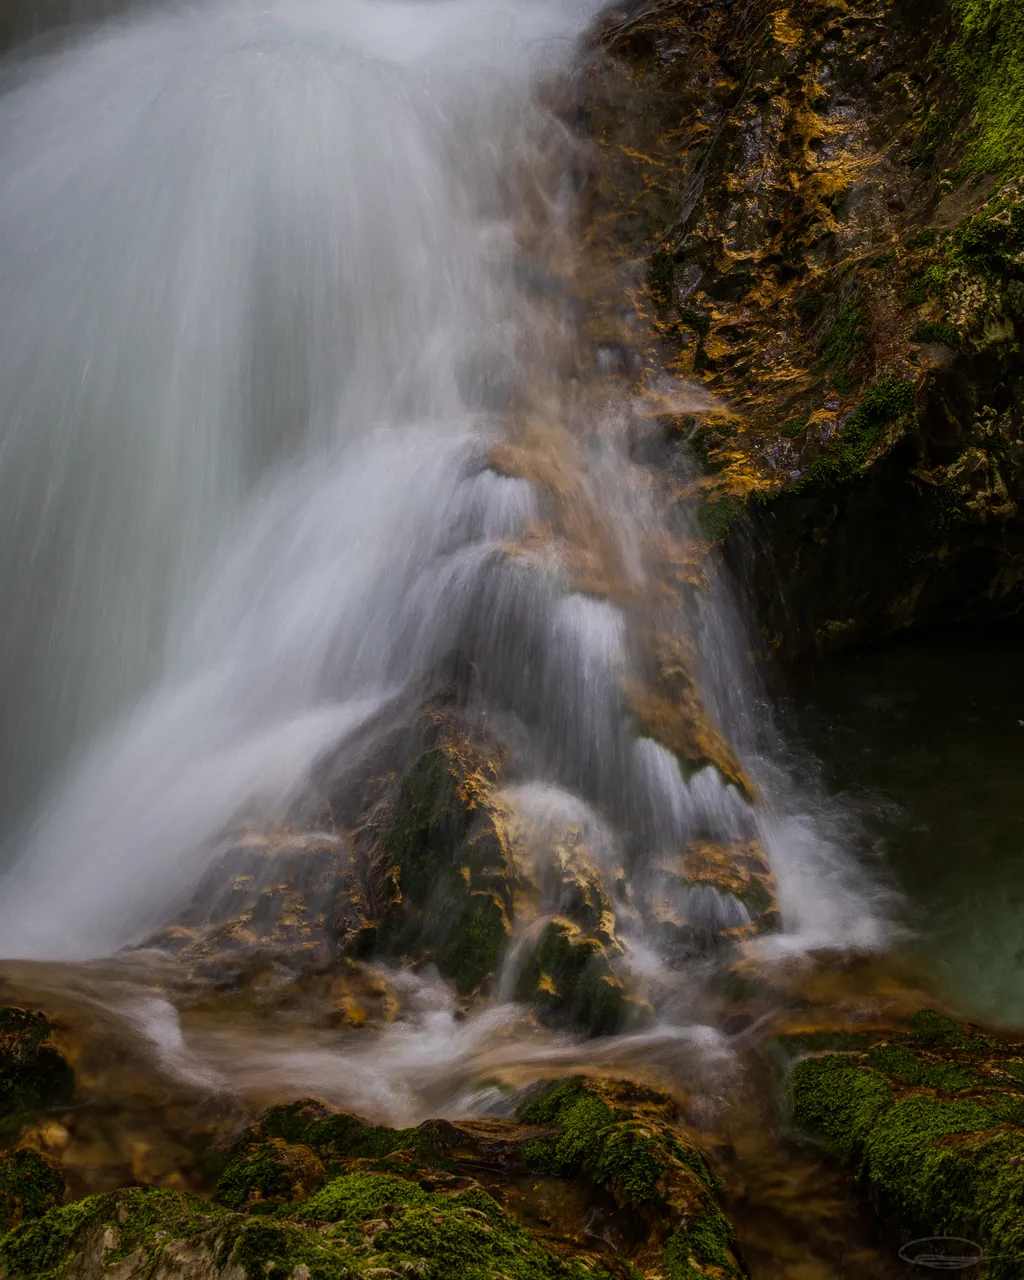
{"x":930,"y":1119}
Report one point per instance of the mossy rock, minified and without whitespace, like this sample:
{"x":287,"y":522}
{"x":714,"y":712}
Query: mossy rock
{"x":264,"y":1172}
{"x":436,"y":1202}
{"x":34,"y":1074}
{"x":441,"y":873}
{"x":624,"y":1139}
{"x":568,"y":977}
{"x":931,"y":1119}
{"x":333,"y":1137}
{"x":30,"y":1183}
{"x":359,"y":1224}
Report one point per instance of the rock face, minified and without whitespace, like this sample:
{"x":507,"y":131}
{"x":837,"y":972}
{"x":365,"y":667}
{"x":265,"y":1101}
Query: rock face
{"x":828,"y":197}
{"x":589,"y":1180}
{"x":931,"y":1120}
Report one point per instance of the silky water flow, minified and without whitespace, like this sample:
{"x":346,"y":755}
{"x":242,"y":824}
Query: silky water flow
{"x":275,"y":294}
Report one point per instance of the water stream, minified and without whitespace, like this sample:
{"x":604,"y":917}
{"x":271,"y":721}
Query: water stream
{"x":278,"y":284}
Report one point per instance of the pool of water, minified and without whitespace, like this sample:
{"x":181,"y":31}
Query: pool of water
{"x":925,"y":741}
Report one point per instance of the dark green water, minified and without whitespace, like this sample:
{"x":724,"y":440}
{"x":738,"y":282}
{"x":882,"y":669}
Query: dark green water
{"x":926,"y":741}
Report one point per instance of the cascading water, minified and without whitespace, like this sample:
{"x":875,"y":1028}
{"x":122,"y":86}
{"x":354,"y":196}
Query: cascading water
{"x":279,"y":286}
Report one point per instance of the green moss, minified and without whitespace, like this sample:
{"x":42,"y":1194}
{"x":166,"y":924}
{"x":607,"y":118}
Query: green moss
{"x":30,"y":1184}
{"x":717,"y":517}
{"x":930,"y":283}
{"x":702,"y":442}
{"x":988,"y":60}
{"x":927,"y":1027}
{"x":938,"y":332}
{"x":990,"y":243}
{"x":356,"y":1197}
{"x":795,"y":427}
{"x":841,"y":343}
{"x":950,"y":1165}
{"x":43,"y":1248}
{"x":146,"y":1219}
{"x":34,"y":1075}
{"x":568,"y":977}
{"x":633,"y":1157}
{"x":938,"y":132}
{"x":896,"y":1061}
{"x":883,"y":260}
{"x":925,"y":239}
{"x":336,"y":1136}
{"x":266,"y":1172}
{"x":266,"y":1249}
{"x":450,"y":874}
{"x":468,"y":1235}
{"x":887,"y":401}
{"x":707,"y":1241}
{"x":607,"y":1143}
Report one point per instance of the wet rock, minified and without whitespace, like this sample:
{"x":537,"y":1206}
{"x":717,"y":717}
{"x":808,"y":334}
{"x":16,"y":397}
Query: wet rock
{"x":567,"y":975}
{"x":625,"y":1141}
{"x":593,"y":1180}
{"x":712,"y":895}
{"x":34,"y":1073}
{"x":440,"y":874}
{"x":832,"y":217}
{"x":30,"y":1183}
{"x":264,"y":1172}
{"x":671,"y":711}
{"x":267,"y":897}
{"x":931,"y":1120}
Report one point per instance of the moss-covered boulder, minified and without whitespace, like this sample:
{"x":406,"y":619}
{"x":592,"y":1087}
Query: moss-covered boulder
{"x":439,"y":874}
{"x":592,"y":1181}
{"x":566,"y":975}
{"x":308,"y":1126}
{"x":931,"y":1120}
{"x":625,"y":1141}
{"x":30,"y":1183}
{"x":157,"y":1234}
{"x":34,"y":1073}
{"x":264,"y":1172}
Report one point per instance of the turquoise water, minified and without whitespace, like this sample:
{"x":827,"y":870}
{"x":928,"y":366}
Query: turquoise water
{"x":926,"y":742}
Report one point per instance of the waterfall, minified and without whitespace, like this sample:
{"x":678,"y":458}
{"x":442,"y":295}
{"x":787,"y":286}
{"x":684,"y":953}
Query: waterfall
{"x":282,"y":292}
